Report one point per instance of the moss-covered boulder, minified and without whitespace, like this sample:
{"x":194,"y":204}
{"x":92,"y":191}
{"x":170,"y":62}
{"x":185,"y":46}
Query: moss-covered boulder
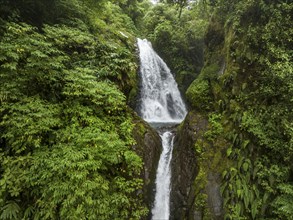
{"x":200,"y":92}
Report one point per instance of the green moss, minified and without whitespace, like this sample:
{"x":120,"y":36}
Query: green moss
{"x":210,"y":148}
{"x":209,"y":72}
{"x":138,"y":132}
{"x":199,"y":93}
{"x":132,"y":96}
{"x":141,"y":129}
{"x":201,"y":197}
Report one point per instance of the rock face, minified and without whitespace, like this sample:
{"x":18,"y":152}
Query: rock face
{"x":185,"y":179}
{"x":149,"y":148}
{"x":184,"y":167}
{"x":215,"y":201}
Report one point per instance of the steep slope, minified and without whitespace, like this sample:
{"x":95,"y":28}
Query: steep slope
{"x":68,"y":148}
{"x":245,"y":92}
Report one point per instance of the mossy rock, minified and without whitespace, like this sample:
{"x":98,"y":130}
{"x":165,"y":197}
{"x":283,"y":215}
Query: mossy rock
{"x":149,"y":147}
{"x":185,"y":166}
{"x":199,"y":94}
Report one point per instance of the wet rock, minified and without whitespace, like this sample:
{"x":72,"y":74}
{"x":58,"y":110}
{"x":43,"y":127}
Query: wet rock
{"x":184,"y":167}
{"x":148,"y":147}
{"x":170,"y":105}
{"x":215,"y":201}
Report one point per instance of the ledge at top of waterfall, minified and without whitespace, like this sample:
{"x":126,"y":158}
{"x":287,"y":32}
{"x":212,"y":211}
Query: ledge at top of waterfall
{"x":161,"y":101}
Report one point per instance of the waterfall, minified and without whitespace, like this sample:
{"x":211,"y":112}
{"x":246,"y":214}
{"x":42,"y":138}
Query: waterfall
{"x":160,"y":98}
{"x":161,"y":209}
{"x":161,"y":105}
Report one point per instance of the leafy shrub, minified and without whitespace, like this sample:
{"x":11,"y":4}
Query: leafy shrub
{"x":66,"y":132}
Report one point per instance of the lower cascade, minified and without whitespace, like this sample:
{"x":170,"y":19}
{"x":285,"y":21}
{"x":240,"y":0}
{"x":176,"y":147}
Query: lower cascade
{"x":161,"y":208}
{"x":162,"y":106}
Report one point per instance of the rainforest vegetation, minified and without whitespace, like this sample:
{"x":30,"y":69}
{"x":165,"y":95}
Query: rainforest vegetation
{"x":69,"y":84}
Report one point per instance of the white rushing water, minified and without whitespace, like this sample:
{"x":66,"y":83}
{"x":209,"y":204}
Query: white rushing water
{"x":161,"y":103}
{"x":160,"y":98}
{"x":161,"y":209}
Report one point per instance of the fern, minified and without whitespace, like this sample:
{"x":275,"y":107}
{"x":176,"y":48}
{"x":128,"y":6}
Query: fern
{"x":10,"y":210}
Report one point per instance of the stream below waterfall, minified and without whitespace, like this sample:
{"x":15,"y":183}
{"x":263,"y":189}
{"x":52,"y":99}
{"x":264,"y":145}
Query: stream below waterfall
{"x":161,"y":105}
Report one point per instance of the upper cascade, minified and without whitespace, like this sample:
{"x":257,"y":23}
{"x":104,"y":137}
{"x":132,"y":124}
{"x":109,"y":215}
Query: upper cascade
{"x":161,"y":101}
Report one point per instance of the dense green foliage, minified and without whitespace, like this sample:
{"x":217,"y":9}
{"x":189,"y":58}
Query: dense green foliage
{"x":179,"y":41}
{"x":66,"y":131}
{"x":251,"y":92}
{"x":68,"y":71}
